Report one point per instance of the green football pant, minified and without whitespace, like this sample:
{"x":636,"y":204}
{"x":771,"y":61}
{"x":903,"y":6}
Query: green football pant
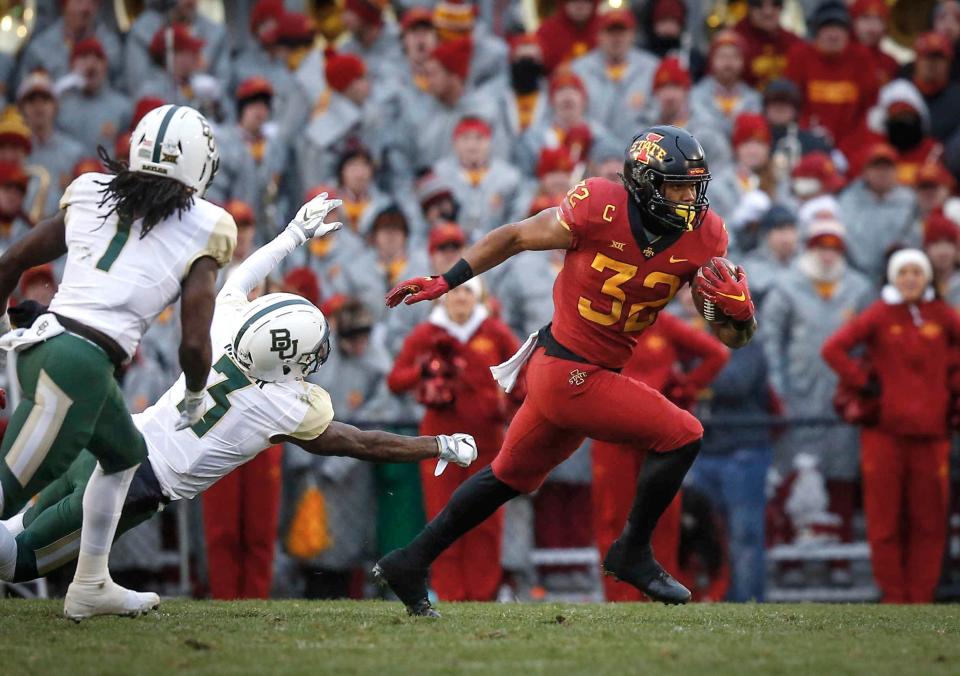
{"x":51,"y":535}
{"x":71,"y":401}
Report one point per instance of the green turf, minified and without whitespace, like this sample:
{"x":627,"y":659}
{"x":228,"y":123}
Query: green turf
{"x":375,"y":637}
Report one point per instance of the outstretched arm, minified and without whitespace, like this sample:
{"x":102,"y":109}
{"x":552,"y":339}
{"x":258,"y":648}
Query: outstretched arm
{"x":540,"y":232}
{"x":377,"y":446}
{"x":45,"y":242}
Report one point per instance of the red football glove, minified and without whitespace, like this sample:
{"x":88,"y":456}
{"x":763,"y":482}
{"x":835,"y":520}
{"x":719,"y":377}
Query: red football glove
{"x":731,"y":295}
{"x":417,"y":289}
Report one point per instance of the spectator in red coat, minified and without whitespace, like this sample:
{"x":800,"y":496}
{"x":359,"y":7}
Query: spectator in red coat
{"x":570,"y":32}
{"x":912,"y":341}
{"x":767,"y":44}
{"x":446,"y":362}
{"x":655,"y":360}
{"x":870,"y":19}
{"x":829,"y":70}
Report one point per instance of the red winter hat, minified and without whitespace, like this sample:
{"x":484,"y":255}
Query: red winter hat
{"x":881,"y":152}
{"x":939,"y":228}
{"x":934,"y":173}
{"x":88,"y":165}
{"x":144,"y":106}
{"x":617,"y":18}
{"x":264,"y":11}
{"x":86,"y":48}
{"x":183,"y":40}
{"x":474,"y":124}
{"x":521,"y":40}
{"x":870,"y":7}
{"x":241,"y":211}
{"x":342,"y":70}
{"x":445,"y":233}
{"x":254,"y":86}
{"x":564,"y":77}
{"x":369,"y":12}
{"x":750,"y":127}
{"x":727,"y":37}
{"x":417,"y":16}
{"x":933,"y":43}
{"x":669,"y":9}
{"x":303,"y":281}
{"x":11,"y":173}
{"x":454,"y":56}
{"x":295,"y":28}
{"x":818,"y":165}
{"x":554,"y":159}
{"x":671,"y":72}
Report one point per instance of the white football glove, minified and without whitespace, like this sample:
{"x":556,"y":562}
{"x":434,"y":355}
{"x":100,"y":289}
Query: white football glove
{"x":193,"y":409}
{"x":308,"y":223}
{"x":460,"y":449}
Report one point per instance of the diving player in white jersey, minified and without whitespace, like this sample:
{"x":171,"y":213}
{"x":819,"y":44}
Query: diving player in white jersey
{"x":256,"y":397}
{"x":135,"y":241}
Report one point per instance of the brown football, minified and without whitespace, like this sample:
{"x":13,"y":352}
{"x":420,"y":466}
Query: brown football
{"x":705,"y":307}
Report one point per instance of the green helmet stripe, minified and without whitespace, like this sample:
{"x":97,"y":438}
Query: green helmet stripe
{"x":164,"y":123}
{"x":260,"y":313}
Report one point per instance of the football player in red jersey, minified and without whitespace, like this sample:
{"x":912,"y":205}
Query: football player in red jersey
{"x":630,"y":247}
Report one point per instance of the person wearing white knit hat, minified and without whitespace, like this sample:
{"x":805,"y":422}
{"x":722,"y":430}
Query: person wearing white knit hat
{"x":901,"y":387}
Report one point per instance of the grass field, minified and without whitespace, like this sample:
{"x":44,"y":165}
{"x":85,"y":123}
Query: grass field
{"x":208,"y":637}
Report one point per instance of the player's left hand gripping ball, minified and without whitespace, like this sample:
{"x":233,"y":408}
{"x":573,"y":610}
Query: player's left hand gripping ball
{"x":460,"y":449}
{"x":417,"y":289}
{"x":728,"y":291}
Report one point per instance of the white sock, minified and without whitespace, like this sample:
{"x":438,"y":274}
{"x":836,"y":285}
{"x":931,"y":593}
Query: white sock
{"x":102,"y":504}
{"x":14,"y":524}
{"x":8,"y":555}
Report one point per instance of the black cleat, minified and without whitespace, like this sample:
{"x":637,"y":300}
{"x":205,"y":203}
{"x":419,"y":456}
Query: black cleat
{"x":408,"y":583}
{"x":645,"y":574}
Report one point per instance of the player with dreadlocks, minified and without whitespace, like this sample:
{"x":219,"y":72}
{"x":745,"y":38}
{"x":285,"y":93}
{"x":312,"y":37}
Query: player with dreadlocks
{"x":134,"y":241}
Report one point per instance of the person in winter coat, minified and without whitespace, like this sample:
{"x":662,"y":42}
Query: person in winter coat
{"x":912,"y":342}
{"x":616,"y":467}
{"x":446,"y":360}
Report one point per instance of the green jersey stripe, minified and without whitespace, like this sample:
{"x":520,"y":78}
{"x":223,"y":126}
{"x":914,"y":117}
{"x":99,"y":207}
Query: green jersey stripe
{"x":116,"y":245}
{"x":270,"y":308}
{"x":164,"y":123}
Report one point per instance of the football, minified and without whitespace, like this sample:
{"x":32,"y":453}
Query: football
{"x":707,"y":309}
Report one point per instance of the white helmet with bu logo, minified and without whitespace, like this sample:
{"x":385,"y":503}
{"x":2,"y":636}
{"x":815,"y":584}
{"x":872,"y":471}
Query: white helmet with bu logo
{"x":176,"y":142}
{"x":281,"y":337}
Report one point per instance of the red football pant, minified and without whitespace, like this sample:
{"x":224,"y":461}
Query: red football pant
{"x":615,"y":471}
{"x":905,"y":495}
{"x":240,"y":515}
{"x":567,"y":402}
{"x":468,"y":570}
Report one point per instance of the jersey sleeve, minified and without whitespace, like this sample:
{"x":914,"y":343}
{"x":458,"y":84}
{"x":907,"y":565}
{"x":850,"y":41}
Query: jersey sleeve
{"x":220,"y":243}
{"x":68,"y":195}
{"x":318,"y":417}
{"x":574,"y":211}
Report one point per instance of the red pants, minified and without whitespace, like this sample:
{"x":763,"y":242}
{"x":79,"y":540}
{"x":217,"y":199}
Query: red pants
{"x":615,"y":471}
{"x":240,"y":523}
{"x":906,"y":493}
{"x":567,"y":402}
{"x":468,"y":570}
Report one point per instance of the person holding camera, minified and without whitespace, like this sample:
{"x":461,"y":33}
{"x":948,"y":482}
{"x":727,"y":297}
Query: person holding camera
{"x":900,"y":392}
{"x":446,"y":362}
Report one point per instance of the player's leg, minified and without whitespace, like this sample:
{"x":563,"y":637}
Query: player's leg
{"x":64,"y":386}
{"x":222,"y":513}
{"x":614,"y":408}
{"x":532,"y":448}
{"x":119,"y":448}
{"x":927,"y":505}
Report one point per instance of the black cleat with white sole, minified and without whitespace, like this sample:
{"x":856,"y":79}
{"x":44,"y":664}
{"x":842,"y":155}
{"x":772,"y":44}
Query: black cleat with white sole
{"x":407,"y":582}
{"x":644,"y":573}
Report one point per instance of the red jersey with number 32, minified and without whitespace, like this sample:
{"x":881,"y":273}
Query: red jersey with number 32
{"x":611,"y":288}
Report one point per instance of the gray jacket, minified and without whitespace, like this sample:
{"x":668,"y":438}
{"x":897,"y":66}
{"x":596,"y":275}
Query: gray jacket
{"x":703,"y":99}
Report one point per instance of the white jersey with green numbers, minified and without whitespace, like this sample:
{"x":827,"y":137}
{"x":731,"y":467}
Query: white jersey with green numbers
{"x":241,"y":416}
{"x":117,"y":282}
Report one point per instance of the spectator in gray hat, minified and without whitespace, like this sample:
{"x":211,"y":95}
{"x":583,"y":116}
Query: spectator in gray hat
{"x":775,"y":253}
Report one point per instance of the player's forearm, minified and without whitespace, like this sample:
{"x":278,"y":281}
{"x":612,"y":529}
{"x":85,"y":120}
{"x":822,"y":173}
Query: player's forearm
{"x":251,"y":273}
{"x":371,"y":445}
{"x":735,"y":334}
{"x":494,"y":248}
{"x":195,"y":360}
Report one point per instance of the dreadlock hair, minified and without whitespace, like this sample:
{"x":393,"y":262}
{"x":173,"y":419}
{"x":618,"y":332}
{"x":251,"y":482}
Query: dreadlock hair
{"x":133,"y":195}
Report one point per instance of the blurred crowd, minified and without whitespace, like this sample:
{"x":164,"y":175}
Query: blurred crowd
{"x":436,"y":121}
